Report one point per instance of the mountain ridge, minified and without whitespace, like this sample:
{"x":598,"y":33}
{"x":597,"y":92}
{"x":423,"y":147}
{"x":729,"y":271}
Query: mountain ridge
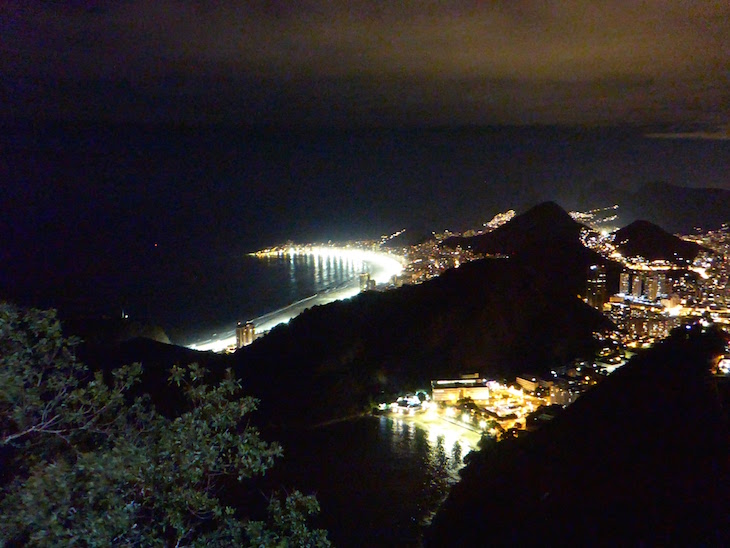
{"x":648,"y":240}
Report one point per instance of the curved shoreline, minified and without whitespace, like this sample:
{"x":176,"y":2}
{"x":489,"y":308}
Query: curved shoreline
{"x":380,"y":266}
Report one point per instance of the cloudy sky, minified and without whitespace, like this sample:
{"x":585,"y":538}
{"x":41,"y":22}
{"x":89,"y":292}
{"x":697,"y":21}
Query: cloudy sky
{"x":410,"y":63}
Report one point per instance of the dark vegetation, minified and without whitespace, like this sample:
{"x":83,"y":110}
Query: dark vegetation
{"x":84,"y":460}
{"x":641,"y":460}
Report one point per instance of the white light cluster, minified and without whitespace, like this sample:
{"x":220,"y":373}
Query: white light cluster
{"x":381,"y":267}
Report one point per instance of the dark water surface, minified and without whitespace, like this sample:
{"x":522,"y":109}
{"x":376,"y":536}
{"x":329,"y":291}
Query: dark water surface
{"x":378,"y":479}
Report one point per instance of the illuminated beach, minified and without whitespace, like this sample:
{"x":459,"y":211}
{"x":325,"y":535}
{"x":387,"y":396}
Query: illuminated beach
{"x":380,"y":266}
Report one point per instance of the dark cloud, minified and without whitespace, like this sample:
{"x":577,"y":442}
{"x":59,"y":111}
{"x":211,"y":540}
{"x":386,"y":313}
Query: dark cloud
{"x":368,"y":62}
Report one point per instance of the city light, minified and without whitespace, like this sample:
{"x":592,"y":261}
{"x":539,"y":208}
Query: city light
{"x":380,"y":265}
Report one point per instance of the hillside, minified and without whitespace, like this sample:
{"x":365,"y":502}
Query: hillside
{"x":488,"y":317}
{"x":639,"y":460}
{"x":645,"y":239}
{"x":545,"y":241}
{"x":545,"y":224}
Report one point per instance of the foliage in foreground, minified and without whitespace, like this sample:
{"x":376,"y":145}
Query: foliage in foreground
{"x":85,"y":465}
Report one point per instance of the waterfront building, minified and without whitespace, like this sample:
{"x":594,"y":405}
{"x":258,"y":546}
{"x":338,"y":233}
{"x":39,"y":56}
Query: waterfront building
{"x":531,"y":382}
{"x":366,"y":282}
{"x":456,"y":389}
{"x":245,"y":334}
{"x":562,"y":393}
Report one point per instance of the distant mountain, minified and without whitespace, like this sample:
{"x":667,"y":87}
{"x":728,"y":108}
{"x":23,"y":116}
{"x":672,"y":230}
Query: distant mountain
{"x":408,"y":238}
{"x":544,"y":240}
{"x":546,"y":224}
{"x":641,"y":460}
{"x":674,"y":208}
{"x":652,"y":242}
{"x":680,"y":209}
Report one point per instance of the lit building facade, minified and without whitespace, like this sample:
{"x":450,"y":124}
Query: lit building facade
{"x":625,"y":283}
{"x":637,"y":286}
{"x":245,"y":334}
{"x":652,"y":287}
{"x":596,"y":291}
{"x":457,"y":389}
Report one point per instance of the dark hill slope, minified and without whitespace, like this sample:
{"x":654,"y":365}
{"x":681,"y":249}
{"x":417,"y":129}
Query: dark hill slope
{"x":545,"y":241}
{"x":544,"y":225}
{"x":100,"y":331}
{"x":640,"y":460}
{"x":653,"y":242}
{"x":488,"y":316}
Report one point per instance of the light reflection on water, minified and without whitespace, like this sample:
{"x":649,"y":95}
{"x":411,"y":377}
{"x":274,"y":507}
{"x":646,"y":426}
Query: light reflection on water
{"x":379,"y":480}
{"x":438,"y":449}
{"x":310,"y":274}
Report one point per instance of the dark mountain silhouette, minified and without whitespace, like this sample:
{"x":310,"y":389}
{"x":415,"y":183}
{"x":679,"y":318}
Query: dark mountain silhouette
{"x":652,"y":242}
{"x":681,"y":209}
{"x":546,"y":224}
{"x":544,"y":240}
{"x":641,"y":460}
{"x":488,"y":316}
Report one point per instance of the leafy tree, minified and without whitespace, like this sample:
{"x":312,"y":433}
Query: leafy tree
{"x":85,"y":464}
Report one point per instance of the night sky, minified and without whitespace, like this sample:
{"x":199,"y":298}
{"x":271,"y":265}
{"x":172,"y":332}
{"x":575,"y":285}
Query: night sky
{"x":406,"y":63}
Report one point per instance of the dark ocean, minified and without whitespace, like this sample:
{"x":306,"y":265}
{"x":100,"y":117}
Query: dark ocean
{"x":158,"y":221}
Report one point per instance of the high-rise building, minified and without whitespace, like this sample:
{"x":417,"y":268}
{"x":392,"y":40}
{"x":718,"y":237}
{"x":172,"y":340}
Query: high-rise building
{"x":245,"y":334}
{"x":636,"y":285}
{"x":364,"y":281}
{"x":652,"y":287}
{"x":662,"y":286}
{"x":596,"y":291}
{"x":625,"y":283}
